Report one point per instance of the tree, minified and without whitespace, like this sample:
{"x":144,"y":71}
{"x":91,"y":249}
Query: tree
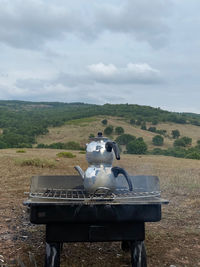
{"x":132,"y":121}
{"x":175,"y":134}
{"x":157,"y":140}
{"x":198,"y":143}
{"x":183,"y":142}
{"x":91,"y":135}
{"x":137,"y":146}
{"x":138,"y":121}
{"x":193,"y":155}
{"x":119,"y":130}
{"x":155,"y":121}
{"x":124,"y":139}
{"x":104,"y":122}
{"x":108,"y":130}
{"x":152,"y":129}
{"x":143,"y":126}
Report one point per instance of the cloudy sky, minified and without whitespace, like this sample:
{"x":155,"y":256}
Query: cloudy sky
{"x":95,"y":51}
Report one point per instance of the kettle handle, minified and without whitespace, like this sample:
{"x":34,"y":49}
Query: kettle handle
{"x":117,"y":170}
{"x":112,"y":145}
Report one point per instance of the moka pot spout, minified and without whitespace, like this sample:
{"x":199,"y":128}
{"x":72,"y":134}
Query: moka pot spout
{"x":80,"y":171}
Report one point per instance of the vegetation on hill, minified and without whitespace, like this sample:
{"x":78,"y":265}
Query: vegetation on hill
{"x":22,"y":122}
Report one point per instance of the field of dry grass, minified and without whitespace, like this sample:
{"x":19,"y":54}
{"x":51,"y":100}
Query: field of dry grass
{"x":79,"y":131}
{"x":175,"y":240}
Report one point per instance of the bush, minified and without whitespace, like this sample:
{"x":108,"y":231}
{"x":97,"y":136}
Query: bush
{"x":155,"y":121}
{"x":119,"y":130}
{"x":3,"y":145}
{"x":198,"y":143}
{"x":152,"y":129}
{"x":143,"y":126}
{"x":136,"y":147}
{"x":175,"y":134}
{"x":65,"y":155}
{"x":69,"y":145}
{"x":157,"y":151}
{"x":104,"y":122}
{"x":125,"y":139}
{"x":91,"y":135}
{"x":138,"y":122}
{"x":21,"y":151}
{"x":183,"y":142}
{"x":82,"y":152}
{"x":36,"y":162}
{"x":163,"y":132}
{"x":108,"y":130}
{"x":193,"y":155}
{"x":157,"y":140}
{"x":132,"y":121}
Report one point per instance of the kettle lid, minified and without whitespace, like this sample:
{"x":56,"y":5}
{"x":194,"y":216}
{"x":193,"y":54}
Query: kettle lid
{"x":99,"y":137}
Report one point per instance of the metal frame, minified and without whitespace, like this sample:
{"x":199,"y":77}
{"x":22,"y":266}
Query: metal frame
{"x":132,"y":236}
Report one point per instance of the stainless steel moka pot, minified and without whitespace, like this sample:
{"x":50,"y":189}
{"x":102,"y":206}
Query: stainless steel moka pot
{"x":100,"y":174}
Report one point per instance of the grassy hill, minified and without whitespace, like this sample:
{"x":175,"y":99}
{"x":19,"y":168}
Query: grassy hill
{"x":26,"y":124}
{"x":80,"y":129}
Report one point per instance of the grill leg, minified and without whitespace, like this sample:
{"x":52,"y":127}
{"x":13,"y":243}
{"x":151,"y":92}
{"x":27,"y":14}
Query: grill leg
{"x":138,"y":254}
{"x":52,"y":257}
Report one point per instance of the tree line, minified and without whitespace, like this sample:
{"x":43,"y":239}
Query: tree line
{"x":21,"y":122}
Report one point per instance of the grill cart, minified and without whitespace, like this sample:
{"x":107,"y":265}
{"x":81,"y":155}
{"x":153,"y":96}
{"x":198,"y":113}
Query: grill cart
{"x":73,"y":215}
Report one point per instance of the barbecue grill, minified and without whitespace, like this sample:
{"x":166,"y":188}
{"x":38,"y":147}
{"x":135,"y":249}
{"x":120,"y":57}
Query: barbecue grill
{"x":73,"y":215}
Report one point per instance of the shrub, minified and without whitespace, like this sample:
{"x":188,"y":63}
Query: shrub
{"x":65,"y":155}
{"x":193,"y":155}
{"x":91,"y":135}
{"x":104,"y":122}
{"x":71,"y":145}
{"x":157,"y":140}
{"x":183,"y":142}
{"x":143,"y":126}
{"x":175,"y":134}
{"x":152,"y":129}
{"x":138,"y":122}
{"x":119,"y":130}
{"x":21,"y":151}
{"x":82,"y":152}
{"x":157,"y":151}
{"x":36,"y":162}
{"x":198,"y":143}
{"x":155,"y":121}
{"x":3,"y":145}
{"x":136,"y":147}
{"x":132,"y":121}
{"x":108,"y":130}
{"x":125,"y":139}
{"x":163,"y":132}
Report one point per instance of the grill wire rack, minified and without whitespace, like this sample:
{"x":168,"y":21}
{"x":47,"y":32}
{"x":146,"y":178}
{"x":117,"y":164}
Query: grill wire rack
{"x":98,"y":195}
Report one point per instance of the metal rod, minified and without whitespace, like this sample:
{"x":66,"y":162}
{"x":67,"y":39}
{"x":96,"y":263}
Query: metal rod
{"x":138,"y":254}
{"x":52,"y":256}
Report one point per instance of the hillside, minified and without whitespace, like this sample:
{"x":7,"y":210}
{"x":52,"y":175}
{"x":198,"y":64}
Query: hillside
{"x":25,"y":124}
{"x":80,"y":129}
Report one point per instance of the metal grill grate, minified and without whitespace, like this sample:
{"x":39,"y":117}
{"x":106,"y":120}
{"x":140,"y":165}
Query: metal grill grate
{"x":101,"y":194}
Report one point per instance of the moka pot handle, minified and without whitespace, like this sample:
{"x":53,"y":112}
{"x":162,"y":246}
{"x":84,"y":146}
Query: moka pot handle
{"x":117,"y":170}
{"x":112,"y":145}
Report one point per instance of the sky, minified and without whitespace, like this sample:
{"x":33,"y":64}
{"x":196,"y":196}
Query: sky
{"x":95,"y":51}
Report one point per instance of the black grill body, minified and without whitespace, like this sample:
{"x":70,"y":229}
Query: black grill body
{"x":94,"y":218}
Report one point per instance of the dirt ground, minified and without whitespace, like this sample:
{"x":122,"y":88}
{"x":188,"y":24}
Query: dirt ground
{"x":175,"y":240}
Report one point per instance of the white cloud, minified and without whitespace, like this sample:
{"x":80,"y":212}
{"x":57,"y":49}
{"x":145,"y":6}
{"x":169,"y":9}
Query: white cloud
{"x":130,"y":74}
{"x":102,"y":69}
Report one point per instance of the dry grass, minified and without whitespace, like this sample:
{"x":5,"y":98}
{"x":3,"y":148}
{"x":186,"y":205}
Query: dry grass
{"x":172,"y":241}
{"x":79,"y":131}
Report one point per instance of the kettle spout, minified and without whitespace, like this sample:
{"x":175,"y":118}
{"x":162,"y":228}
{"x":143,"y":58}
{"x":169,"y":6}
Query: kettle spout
{"x":80,"y":171}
